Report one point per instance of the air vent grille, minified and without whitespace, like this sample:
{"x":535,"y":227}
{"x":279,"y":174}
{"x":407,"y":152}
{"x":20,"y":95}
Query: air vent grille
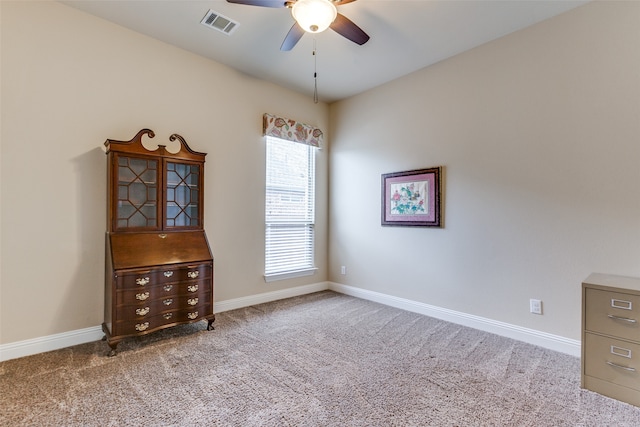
{"x":219,"y":22}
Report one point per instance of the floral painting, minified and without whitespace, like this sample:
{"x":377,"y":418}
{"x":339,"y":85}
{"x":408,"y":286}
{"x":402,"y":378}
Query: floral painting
{"x":411,"y":198}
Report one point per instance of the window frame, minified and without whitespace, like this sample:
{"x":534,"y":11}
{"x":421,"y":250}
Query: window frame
{"x":307,"y":267}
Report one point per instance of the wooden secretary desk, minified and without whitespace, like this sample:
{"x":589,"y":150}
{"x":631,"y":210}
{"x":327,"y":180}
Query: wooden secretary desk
{"x":159,"y":268}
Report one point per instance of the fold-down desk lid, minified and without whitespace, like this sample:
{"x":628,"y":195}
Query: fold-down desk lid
{"x":132,"y":250}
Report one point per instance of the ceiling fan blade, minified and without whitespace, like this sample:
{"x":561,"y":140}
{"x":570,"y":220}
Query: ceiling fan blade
{"x":346,"y":28}
{"x":341,"y":2}
{"x":262,"y":3}
{"x":293,"y":36}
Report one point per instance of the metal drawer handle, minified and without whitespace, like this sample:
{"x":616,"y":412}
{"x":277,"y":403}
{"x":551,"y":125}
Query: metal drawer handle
{"x":142,"y":311}
{"x":142,"y":326}
{"x":168,"y":287}
{"x":192,"y":301}
{"x":142,"y":281}
{"x":193,"y":274}
{"x":143,"y":296}
{"x":626,"y":368}
{"x":167,"y":315}
{"x":192,"y":288}
{"x":618,"y":303}
{"x":168,"y":273}
{"x":167,"y":301}
{"x":624,"y":319}
{"x":192,"y":315}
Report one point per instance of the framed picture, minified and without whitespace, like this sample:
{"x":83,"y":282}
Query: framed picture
{"x":411,"y":198}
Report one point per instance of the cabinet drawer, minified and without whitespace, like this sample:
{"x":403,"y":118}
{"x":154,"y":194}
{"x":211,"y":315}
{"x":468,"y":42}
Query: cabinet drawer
{"x":169,"y":318}
{"x":146,"y":278}
{"x":158,"y":306}
{"x":612,"y":360}
{"x":191,"y":272}
{"x":612,"y":313}
{"x":168,"y":290}
{"x":137,"y":279}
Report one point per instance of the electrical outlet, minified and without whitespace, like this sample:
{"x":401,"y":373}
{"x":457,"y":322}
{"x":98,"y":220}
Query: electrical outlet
{"x":535,"y":306}
{"x":343,"y":270}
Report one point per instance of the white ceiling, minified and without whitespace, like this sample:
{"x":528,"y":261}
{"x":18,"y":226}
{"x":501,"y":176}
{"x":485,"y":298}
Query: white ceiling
{"x":406,"y":35}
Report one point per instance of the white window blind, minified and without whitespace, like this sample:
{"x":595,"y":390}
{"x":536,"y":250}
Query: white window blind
{"x":290,"y":210}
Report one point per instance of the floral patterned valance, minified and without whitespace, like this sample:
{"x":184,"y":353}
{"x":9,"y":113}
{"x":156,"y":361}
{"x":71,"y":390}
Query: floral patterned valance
{"x":291,"y":130}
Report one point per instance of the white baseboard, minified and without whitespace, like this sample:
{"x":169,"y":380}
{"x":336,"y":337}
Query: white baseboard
{"x":50,"y":342}
{"x":531,"y":336}
{"x":543,"y":339}
{"x":232,"y":304}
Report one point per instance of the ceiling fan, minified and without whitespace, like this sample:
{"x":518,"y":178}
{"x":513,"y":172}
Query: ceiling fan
{"x":313,"y":16}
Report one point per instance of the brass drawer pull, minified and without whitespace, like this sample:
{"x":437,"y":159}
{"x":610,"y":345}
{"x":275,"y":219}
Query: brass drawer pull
{"x":193,"y":274}
{"x":626,"y":368}
{"x":167,"y":316}
{"x":168,"y":273}
{"x":192,"y":288}
{"x":618,"y":303}
{"x":192,"y":315}
{"x":168,"y":287}
{"x":142,"y":326}
{"x":167,"y":301}
{"x":192,"y":301}
{"x":142,"y":281}
{"x":142,"y":311}
{"x":624,"y":319}
{"x":143,"y":296}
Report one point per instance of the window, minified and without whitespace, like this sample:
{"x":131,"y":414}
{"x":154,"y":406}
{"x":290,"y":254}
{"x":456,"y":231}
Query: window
{"x":289,"y":209}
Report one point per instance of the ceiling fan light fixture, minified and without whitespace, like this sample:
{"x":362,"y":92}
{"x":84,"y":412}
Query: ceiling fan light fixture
{"x":314,"y":16}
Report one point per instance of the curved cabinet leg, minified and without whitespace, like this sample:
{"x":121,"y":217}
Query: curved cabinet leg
{"x":112,"y":343}
{"x":210,"y":323}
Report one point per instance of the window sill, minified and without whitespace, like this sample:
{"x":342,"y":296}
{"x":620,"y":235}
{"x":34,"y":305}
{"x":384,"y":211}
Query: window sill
{"x":289,"y":274}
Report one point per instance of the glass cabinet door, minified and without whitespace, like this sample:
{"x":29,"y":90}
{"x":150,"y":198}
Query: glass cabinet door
{"x":182,"y":195}
{"x":137,"y":197}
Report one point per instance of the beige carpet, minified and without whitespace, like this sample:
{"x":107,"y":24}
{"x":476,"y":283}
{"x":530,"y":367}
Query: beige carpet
{"x":323,"y":359}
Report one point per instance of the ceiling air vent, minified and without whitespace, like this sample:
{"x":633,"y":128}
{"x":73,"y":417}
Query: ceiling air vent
{"x":219,"y":22}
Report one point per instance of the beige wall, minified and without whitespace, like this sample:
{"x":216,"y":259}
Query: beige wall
{"x":537,"y":131}
{"x":69,"y":82}
{"x":539,"y":135}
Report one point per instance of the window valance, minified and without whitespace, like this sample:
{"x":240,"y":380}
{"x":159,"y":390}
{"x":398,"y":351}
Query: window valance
{"x":291,"y":130}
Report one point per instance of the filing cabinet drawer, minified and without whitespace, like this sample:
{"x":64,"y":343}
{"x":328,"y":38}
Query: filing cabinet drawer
{"x":613,"y":360}
{"x":612,"y":313}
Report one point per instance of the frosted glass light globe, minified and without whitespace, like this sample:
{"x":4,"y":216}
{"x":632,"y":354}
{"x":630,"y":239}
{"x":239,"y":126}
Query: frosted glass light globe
{"x":314,"y":16}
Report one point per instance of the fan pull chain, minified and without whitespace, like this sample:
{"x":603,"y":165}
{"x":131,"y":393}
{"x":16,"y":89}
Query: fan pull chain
{"x":315,"y":74}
